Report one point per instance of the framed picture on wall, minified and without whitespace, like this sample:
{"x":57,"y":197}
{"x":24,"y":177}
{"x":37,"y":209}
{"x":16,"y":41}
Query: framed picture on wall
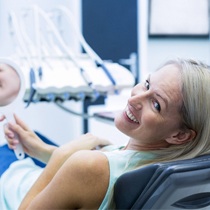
{"x":178,"y":18}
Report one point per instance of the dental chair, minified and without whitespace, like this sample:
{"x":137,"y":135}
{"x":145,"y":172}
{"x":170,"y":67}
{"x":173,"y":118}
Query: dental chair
{"x":171,"y":186}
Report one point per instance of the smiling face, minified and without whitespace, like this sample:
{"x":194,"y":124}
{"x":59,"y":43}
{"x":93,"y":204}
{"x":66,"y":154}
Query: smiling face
{"x":9,"y":84}
{"x":153,"y":114}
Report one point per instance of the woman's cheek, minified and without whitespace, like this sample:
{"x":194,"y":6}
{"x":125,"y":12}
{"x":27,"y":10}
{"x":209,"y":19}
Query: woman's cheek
{"x":149,"y":118}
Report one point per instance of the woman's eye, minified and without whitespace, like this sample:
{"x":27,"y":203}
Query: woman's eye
{"x":157,"y":106}
{"x":147,"y":84}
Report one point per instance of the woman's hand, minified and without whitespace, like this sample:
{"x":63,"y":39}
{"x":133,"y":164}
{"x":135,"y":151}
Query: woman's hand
{"x":84,"y":142}
{"x":32,"y":144}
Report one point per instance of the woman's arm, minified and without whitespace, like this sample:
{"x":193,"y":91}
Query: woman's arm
{"x":81,"y":182}
{"x":35,"y":147}
{"x":60,"y":161}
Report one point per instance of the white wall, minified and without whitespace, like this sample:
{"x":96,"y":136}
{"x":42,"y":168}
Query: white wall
{"x":155,"y":51}
{"x":161,"y":49}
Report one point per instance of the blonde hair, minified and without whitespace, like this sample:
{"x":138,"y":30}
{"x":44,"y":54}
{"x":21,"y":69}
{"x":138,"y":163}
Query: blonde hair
{"x":195,"y":110}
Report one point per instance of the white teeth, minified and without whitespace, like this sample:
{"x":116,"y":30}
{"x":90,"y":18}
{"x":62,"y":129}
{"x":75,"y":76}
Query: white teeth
{"x":131,"y":117}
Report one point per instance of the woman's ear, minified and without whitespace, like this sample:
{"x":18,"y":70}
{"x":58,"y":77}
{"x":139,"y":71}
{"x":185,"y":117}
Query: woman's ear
{"x":182,"y":136}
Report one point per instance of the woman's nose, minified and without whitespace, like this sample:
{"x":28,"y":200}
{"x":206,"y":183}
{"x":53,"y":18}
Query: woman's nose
{"x":137,"y":100}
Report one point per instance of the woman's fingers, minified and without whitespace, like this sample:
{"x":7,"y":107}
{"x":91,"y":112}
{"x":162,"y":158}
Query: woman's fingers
{"x":10,"y":137}
{"x":2,"y":118}
{"x":104,"y":142}
{"x":21,"y":123}
{"x":8,"y":132}
{"x":12,"y":143}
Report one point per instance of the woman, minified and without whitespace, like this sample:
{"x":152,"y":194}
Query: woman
{"x":167,"y":118}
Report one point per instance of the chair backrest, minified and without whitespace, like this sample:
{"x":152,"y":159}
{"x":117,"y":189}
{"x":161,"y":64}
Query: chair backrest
{"x":175,"y":185}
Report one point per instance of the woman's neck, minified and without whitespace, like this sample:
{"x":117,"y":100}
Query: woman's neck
{"x":138,"y":146}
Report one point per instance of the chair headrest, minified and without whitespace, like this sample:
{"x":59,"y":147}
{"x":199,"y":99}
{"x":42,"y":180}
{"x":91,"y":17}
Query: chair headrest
{"x":140,"y":183}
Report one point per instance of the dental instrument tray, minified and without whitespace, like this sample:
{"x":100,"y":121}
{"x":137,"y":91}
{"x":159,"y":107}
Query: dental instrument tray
{"x":60,"y":79}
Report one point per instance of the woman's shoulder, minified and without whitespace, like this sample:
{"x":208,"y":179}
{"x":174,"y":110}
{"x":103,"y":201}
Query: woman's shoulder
{"x":90,"y":165}
{"x":91,"y":170}
{"x":90,"y":159}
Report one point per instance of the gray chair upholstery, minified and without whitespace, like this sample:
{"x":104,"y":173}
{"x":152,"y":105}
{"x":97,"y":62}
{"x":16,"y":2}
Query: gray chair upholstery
{"x":176,"y":185}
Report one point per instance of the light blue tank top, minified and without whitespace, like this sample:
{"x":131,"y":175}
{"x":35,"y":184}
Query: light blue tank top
{"x":121,"y":161}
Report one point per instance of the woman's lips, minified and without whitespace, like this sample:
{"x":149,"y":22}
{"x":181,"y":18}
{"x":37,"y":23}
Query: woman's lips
{"x":131,"y":116}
